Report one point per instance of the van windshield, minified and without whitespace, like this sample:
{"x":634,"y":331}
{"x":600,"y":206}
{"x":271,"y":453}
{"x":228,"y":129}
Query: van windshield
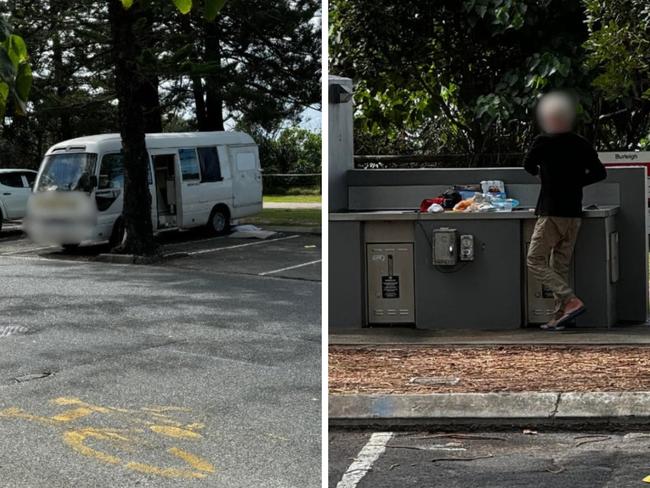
{"x":67,"y":172}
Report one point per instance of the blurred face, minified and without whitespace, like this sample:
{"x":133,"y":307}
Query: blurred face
{"x":556,"y":113}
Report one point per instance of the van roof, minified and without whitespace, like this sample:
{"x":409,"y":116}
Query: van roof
{"x":161,"y":140}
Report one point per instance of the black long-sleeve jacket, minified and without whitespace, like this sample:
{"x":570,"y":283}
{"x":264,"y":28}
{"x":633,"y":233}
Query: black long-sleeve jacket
{"x":566,"y":163}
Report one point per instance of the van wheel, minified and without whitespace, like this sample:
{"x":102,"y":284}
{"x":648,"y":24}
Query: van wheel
{"x":219,"y":223}
{"x":118,"y":234}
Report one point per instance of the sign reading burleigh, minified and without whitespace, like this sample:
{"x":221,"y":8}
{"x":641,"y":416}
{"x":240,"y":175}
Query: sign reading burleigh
{"x":629,"y":158}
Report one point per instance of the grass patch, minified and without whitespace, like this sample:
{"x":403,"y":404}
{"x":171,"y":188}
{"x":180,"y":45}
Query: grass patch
{"x":293,"y":198}
{"x":295,"y":190}
{"x":286,"y":217}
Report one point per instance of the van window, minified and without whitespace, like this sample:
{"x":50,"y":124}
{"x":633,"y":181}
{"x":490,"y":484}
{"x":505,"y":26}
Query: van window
{"x":111,"y":173}
{"x":189,"y":164}
{"x":31,"y":178}
{"x":11,"y":179}
{"x":245,"y":161}
{"x":210,"y":165}
{"x":67,"y":172}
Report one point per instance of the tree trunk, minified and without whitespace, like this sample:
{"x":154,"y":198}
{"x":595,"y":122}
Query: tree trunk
{"x":126,"y":50}
{"x":150,"y":100}
{"x":213,"y":98}
{"x":61,"y":87}
{"x":149,"y":97}
{"x":199,"y":103}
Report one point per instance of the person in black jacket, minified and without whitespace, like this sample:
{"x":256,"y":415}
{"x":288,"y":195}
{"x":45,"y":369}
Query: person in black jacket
{"x":565,"y":163}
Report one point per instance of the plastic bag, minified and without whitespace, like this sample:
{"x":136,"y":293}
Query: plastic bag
{"x":435,"y":208}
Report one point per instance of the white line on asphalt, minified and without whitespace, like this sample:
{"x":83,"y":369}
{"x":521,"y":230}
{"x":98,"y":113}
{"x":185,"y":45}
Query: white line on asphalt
{"x":58,"y":260}
{"x":289,"y":267}
{"x":365,"y":459}
{"x":27,"y":250}
{"x":12,"y":238}
{"x":203,"y":251}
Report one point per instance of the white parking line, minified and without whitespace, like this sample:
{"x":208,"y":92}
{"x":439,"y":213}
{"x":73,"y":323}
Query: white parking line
{"x":203,"y":251}
{"x":57,"y":260}
{"x":372,"y":451}
{"x":27,"y":250}
{"x":289,"y":267}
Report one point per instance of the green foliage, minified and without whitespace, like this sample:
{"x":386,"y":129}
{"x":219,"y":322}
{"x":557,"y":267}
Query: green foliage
{"x":619,"y":52}
{"x":15,"y":71}
{"x":266,"y":66}
{"x":211,"y":7}
{"x":292,"y":150}
{"x":453,"y":76}
{"x":73,"y":92}
{"x":464,"y":76}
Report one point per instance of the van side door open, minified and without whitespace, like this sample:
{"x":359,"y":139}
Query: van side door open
{"x":166,"y":187}
{"x":191,"y":209}
{"x":247,"y":177}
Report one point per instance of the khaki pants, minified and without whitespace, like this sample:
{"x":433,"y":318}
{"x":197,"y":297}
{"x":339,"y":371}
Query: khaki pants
{"x":549,"y":255}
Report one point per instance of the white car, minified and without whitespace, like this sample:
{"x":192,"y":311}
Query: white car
{"x":15,"y":188}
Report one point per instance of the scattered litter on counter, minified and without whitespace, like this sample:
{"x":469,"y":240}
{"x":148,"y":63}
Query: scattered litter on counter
{"x":489,"y":196}
{"x":486,"y":202}
{"x":435,"y":208}
{"x":495,"y":188}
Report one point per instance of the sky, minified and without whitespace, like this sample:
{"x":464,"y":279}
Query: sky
{"x":311,"y":119}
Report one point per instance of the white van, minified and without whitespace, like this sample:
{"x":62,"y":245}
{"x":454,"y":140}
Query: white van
{"x":195,"y":179}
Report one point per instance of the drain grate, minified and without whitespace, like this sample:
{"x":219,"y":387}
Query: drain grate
{"x":7,"y":330}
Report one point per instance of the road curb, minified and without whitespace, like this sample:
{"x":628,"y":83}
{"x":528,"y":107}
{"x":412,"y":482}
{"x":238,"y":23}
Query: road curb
{"x":295,"y":230}
{"x":497,"y":410}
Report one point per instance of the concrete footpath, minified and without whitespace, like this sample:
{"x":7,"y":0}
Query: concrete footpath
{"x":494,"y":410}
{"x":620,"y":335}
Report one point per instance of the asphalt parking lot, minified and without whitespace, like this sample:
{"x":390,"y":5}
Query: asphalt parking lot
{"x":488,"y":459}
{"x":284,"y":255}
{"x":202,"y":370}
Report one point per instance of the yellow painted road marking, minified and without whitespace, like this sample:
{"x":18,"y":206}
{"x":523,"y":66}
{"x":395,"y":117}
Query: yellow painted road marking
{"x":177,"y":432}
{"x":127,"y":440}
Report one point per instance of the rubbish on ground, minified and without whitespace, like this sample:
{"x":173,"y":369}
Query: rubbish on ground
{"x":251,"y":232}
{"x":646,"y":479}
{"x":529,"y":432}
{"x":247,"y":228}
{"x":434,"y":380}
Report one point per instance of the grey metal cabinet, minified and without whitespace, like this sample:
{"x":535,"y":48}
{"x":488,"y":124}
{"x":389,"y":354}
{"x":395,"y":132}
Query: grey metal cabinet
{"x":390,"y":286}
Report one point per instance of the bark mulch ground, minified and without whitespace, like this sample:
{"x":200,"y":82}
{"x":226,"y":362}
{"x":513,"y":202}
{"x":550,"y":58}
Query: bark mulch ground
{"x":431,"y":369}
